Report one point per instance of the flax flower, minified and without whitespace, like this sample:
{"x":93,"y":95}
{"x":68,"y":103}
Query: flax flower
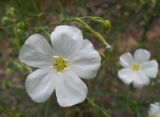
{"x":60,"y":66}
{"x":138,"y":68}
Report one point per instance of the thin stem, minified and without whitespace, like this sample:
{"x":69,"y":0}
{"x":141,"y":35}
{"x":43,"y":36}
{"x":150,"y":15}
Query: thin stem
{"x":137,"y":113}
{"x":101,"y":109}
{"x":45,"y":109}
{"x":80,"y":22}
{"x":132,"y":102}
{"x":46,"y":32}
{"x":86,"y":26}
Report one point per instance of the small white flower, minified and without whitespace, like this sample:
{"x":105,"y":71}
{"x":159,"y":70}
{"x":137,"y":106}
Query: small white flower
{"x":154,"y":110}
{"x":138,"y":68}
{"x":60,"y":66}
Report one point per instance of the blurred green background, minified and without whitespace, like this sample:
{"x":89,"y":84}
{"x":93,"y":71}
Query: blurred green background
{"x":135,"y":24}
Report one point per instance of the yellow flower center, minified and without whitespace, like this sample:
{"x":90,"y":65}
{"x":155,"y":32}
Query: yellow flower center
{"x":136,"y":67}
{"x":60,"y":64}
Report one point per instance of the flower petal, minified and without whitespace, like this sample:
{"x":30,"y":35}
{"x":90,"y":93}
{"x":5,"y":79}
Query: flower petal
{"x":36,"y":52}
{"x":70,"y":89}
{"x":142,"y":55}
{"x":125,"y":75}
{"x":85,"y":63}
{"x":154,"y":110}
{"x":66,"y":40}
{"x":150,"y":68}
{"x":40,"y":84}
{"x":126,"y":59}
{"x":139,"y":79}
{"x":86,"y":44}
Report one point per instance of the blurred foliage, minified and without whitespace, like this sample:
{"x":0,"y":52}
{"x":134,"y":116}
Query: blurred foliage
{"x":135,"y":24}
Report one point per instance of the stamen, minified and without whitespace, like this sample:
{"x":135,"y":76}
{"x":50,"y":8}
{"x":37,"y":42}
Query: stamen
{"x":136,"y":67}
{"x":60,"y":64}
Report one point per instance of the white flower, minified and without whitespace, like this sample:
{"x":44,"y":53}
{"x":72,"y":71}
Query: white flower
{"x":138,"y":68}
{"x":60,"y":66}
{"x":154,"y":110}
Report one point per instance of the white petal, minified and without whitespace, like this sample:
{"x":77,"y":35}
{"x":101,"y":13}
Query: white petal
{"x":85,"y":63}
{"x":142,"y":55}
{"x":150,"y":68}
{"x":139,"y":79}
{"x":154,"y":110}
{"x":66,"y":40}
{"x":126,"y":59}
{"x":86,"y":44}
{"x":40,"y":84}
{"x":70,"y":89}
{"x":36,"y":52}
{"x":125,"y":75}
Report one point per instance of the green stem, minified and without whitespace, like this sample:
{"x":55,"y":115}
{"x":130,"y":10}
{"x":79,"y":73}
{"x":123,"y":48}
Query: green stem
{"x":45,"y":109}
{"x":83,"y":24}
{"x":46,"y":32}
{"x":86,"y":26}
{"x":17,"y":39}
{"x":132,"y":102}
{"x":101,"y":109}
{"x":137,"y":113}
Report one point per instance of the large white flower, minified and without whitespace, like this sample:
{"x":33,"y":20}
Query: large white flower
{"x":60,"y":66}
{"x":138,"y":68}
{"x":154,"y":110}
